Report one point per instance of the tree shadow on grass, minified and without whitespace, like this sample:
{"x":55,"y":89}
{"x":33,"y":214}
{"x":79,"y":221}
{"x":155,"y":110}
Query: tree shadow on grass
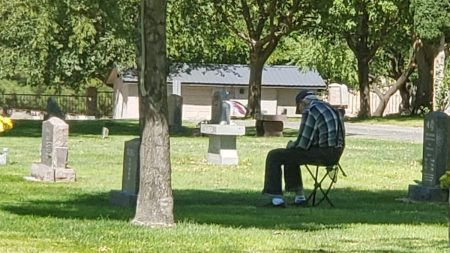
{"x":249,"y":209}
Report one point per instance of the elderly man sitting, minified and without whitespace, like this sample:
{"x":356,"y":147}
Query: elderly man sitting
{"x":321,"y":138}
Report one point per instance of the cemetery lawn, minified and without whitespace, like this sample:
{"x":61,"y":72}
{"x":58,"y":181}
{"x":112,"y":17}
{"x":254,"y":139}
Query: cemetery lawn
{"x":398,"y":120}
{"x":217,"y":209}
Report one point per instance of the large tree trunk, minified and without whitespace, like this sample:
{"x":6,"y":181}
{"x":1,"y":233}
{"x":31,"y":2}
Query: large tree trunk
{"x":254,"y":87}
{"x":424,"y":93}
{"x":364,"y":91}
{"x":155,"y":202}
{"x":259,"y":54}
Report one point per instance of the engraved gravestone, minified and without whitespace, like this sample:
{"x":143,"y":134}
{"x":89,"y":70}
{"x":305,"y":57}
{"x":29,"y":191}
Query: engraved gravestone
{"x":130,"y":178}
{"x":54,"y":153}
{"x":175,"y":104}
{"x":220,"y":109}
{"x":436,"y":158}
{"x":222,"y":135}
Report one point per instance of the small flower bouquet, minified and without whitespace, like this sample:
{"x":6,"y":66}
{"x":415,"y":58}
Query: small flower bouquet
{"x":445,"y":180}
{"x":5,"y":124}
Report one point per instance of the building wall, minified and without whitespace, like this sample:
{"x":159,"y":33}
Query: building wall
{"x":286,"y":101}
{"x":126,"y":100}
{"x":197,"y":100}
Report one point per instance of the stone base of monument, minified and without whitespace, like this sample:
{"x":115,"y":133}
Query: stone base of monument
{"x":425,"y":193}
{"x":224,"y":157}
{"x":122,"y":198}
{"x":42,"y":172}
{"x":222,"y":143}
{"x":270,"y":125}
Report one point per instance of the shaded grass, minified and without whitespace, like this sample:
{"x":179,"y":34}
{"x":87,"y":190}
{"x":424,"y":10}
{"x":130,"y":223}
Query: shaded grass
{"x":217,"y":208}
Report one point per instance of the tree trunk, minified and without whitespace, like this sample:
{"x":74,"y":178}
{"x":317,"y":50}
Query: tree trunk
{"x":400,"y":84}
{"x":259,"y":53}
{"x":384,"y":98}
{"x":155,"y":202}
{"x":254,"y":87}
{"x":405,"y":106}
{"x":440,"y":99}
{"x":424,"y":93}
{"x":364,"y":91}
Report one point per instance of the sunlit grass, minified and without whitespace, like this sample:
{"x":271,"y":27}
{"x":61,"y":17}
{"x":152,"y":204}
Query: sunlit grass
{"x":398,"y":120}
{"x":217,"y":208}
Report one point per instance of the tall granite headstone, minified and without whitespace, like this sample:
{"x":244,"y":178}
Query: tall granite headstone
{"x":175,"y":104}
{"x":54,"y":153}
{"x":130,"y":178}
{"x":222,"y":135}
{"x":436,"y":158}
{"x":220,"y":109}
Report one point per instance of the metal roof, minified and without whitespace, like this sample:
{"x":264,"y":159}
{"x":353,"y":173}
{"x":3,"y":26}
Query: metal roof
{"x":229,"y":74}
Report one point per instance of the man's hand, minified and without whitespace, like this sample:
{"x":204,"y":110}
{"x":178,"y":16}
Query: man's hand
{"x":290,"y":145}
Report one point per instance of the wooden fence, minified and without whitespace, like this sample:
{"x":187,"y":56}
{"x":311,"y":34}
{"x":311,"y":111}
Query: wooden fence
{"x":391,"y":108}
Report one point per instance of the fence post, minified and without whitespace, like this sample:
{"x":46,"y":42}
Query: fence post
{"x":91,"y":101}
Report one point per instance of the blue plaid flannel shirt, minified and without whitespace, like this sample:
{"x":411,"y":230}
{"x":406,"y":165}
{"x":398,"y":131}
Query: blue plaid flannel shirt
{"x":320,"y":126}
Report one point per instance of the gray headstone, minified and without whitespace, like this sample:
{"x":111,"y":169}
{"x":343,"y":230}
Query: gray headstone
{"x":130,"y":178}
{"x":105,"y":132}
{"x":175,"y":104}
{"x":436,"y":158}
{"x":220,"y":110}
{"x":55,"y":135}
{"x":436,"y":152}
{"x":54,"y":153}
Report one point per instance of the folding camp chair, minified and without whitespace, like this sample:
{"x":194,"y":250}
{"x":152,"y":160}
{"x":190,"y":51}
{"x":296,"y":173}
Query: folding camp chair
{"x":322,"y":175}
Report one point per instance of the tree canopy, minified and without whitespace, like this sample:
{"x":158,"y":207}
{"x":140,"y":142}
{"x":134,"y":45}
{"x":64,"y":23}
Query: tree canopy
{"x":63,"y":42}
{"x":431,"y":19}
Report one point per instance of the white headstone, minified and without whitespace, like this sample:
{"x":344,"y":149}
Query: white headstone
{"x":338,"y":95}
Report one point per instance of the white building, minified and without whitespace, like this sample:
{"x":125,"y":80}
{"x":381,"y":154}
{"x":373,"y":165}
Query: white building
{"x":197,"y":84}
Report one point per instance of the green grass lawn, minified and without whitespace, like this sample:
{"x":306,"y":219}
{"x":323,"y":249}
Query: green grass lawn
{"x":217,"y":208}
{"x":399,"y":120}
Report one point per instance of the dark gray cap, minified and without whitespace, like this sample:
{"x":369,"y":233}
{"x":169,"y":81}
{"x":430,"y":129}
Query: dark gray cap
{"x":300,"y":96}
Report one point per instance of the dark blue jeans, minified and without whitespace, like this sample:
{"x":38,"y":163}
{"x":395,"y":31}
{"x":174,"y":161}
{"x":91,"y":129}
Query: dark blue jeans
{"x":290,"y":159}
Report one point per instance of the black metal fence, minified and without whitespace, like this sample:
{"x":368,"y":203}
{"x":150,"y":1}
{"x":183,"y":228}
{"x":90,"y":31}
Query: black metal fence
{"x":103,"y":103}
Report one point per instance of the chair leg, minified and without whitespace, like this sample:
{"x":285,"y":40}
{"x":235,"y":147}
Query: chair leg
{"x":325,"y":195}
{"x":314,"y":191}
{"x":318,"y":185}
